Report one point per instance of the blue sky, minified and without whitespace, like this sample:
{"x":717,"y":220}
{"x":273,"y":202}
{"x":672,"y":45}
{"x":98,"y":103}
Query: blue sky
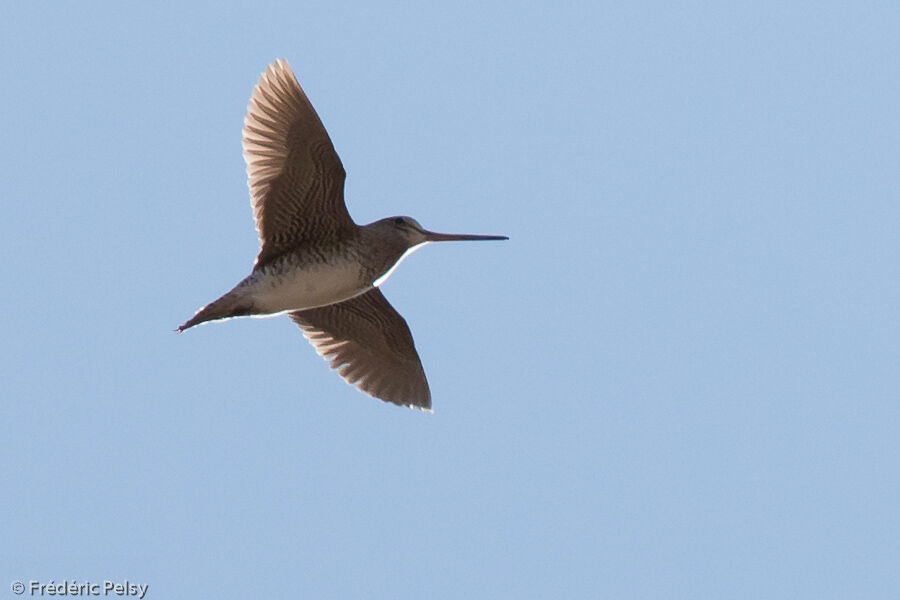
{"x":678,"y":379}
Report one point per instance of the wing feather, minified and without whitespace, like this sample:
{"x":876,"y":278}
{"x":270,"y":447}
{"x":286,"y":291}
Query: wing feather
{"x":296,"y":178}
{"x":370,"y":345}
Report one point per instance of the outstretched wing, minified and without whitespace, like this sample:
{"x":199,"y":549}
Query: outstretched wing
{"x":296,"y":178}
{"x":370,"y":345}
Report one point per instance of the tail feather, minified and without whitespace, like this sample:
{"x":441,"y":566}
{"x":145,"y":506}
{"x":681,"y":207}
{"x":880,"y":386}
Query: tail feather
{"x":229,"y":305}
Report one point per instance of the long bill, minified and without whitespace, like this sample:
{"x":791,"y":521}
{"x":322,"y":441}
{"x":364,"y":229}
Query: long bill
{"x":431,"y":236}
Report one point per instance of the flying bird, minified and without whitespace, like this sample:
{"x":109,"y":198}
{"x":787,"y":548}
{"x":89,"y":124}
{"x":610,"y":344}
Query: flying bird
{"x":314,"y":262}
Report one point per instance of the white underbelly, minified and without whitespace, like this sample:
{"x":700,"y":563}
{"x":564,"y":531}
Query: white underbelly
{"x":298,"y":289}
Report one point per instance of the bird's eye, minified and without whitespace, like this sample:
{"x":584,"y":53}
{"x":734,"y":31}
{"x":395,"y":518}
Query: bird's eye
{"x":399,"y":221}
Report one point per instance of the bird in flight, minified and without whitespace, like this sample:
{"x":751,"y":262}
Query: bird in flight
{"x":314,"y":262}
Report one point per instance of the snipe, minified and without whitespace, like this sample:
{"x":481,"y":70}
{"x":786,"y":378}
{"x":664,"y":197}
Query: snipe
{"x":315,"y":263}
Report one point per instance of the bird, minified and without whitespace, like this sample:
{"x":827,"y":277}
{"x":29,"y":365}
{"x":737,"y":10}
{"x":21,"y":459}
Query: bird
{"x":315,"y":264}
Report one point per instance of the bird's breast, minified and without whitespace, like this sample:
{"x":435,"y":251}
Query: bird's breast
{"x":298,"y":285}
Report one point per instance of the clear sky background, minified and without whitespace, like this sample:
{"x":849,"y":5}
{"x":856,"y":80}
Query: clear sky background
{"x":677,"y":379}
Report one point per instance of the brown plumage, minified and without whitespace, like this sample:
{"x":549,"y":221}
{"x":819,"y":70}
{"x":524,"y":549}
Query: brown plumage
{"x":296,"y":178}
{"x":370,"y":345}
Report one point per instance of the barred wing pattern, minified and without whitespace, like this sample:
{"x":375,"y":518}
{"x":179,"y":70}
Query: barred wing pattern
{"x":295,"y":176}
{"x":370,"y":345}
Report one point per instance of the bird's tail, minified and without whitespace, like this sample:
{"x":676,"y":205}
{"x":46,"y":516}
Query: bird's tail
{"x":232,"y":304}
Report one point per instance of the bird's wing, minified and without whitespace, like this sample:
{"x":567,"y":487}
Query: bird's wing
{"x":370,"y":345}
{"x":296,"y":178}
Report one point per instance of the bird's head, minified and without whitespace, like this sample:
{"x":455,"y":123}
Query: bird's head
{"x":404,"y":230}
{"x":398,"y":237}
{"x":412,"y":234}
